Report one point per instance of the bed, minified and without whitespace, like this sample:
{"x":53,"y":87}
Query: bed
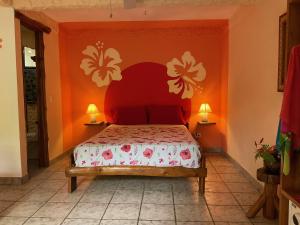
{"x":140,"y":150}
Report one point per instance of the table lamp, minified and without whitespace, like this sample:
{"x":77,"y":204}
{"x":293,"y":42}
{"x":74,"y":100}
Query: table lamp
{"x":92,"y":110}
{"x":204,"y":110}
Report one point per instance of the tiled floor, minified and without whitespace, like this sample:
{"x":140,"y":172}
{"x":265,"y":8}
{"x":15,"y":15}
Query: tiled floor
{"x":132,"y":200}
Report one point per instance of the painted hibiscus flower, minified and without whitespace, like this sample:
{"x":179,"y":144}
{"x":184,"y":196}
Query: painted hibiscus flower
{"x":101,"y":64}
{"x":107,"y":155}
{"x":126,"y":148}
{"x":185,"y":154}
{"x":187,"y":75}
{"x":148,"y":153}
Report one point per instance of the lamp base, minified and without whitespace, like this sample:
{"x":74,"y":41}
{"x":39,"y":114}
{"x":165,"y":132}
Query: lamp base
{"x":93,"y":119}
{"x":204,"y":117}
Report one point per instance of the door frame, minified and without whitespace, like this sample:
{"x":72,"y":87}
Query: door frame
{"x":39,"y":30}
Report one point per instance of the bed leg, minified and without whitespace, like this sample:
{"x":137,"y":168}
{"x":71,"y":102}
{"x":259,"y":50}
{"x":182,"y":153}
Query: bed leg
{"x":202,"y":175}
{"x":201,"y":185}
{"x":72,"y":180}
{"x":72,"y":184}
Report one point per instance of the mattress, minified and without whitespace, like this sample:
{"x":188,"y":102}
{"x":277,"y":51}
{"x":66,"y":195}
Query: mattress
{"x":139,"y":145}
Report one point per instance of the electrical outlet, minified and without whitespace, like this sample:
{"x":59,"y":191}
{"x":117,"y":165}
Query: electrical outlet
{"x":197,"y":135}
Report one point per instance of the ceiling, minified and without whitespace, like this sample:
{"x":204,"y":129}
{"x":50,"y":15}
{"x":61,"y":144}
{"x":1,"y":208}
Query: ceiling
{"x":47,"y":4}
{"x":142,"y":14}
{"x":131,"y":10}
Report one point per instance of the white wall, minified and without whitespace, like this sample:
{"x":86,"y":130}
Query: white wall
{"x":53,"y":92}
{"x":253,"y":101}
{"x":10,"y":132}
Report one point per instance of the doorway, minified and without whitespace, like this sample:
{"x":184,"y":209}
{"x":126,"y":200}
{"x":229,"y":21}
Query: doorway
{"x":34,"y":98}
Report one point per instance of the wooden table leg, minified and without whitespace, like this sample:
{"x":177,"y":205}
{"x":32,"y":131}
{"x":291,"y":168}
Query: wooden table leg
{"x":270,"y":211}
{"x":276,"y":203}
{"x":257,"y":206}
{"x":268,"y":200}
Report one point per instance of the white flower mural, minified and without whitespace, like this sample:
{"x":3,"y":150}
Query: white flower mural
{"x":187,"y":75}
{"x":101,"y":64}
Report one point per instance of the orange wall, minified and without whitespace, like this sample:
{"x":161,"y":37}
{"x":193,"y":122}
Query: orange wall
{"x":138,"y":42}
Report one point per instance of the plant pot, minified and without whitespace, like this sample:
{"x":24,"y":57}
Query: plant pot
{"x":272,"y":168}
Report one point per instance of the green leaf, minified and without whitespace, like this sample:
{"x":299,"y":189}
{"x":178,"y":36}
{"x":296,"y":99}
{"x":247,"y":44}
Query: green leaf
{"x":268,"y":158}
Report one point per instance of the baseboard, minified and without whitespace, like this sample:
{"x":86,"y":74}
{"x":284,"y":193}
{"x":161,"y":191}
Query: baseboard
{"x":255,"y":182}
{"x":61,"y":156}
{"x":213,"y":150}
{"x":24,"y":179}
{"x":14,"y":180}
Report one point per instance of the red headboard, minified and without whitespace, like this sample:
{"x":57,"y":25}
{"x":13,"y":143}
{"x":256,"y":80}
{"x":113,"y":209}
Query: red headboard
{"x":143,"y":84}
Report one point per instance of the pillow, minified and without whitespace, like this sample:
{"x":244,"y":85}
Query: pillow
{"x":130,"y":116}
{"x":165,"y":115}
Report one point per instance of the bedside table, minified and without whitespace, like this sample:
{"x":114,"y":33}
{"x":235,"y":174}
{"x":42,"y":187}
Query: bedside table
{"x":206,"y":123}
{"x":196,"y":133}
{"x":100,"y":123}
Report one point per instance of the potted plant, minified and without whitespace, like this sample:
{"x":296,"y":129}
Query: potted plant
{"x":270,"y":156}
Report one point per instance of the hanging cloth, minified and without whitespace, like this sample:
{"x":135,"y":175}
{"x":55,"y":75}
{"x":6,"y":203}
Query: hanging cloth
{"x":290,"y":111}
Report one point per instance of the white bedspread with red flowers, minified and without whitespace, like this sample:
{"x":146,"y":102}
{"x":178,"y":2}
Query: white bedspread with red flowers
{"x":139,"y":145}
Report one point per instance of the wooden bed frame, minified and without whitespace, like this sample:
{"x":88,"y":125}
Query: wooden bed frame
{"x":72,"y":172}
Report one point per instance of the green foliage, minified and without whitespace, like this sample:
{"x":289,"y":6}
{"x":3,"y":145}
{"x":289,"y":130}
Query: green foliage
{"x":266,"y":156}
{"x":266,"y":152}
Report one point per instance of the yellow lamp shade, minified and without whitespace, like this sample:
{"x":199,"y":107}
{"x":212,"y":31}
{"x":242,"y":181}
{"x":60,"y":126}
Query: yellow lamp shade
{"x":205,"y":108}
{"x":92,"y":109}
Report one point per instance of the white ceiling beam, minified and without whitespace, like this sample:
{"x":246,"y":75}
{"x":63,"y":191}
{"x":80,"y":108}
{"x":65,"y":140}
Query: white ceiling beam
{"x":129,"y":4}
